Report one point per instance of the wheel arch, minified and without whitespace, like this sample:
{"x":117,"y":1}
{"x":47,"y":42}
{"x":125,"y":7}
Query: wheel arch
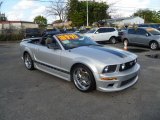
{"x":125,"y":39}
{"x":152,"y":41}
{"x":27,"y":51}
{"x":90,"y":67}
{"x":80,"y":63}
{"x":113,"y":37}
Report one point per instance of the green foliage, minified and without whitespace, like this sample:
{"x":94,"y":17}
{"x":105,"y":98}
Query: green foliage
{"x":41,"y":21}
{"x":77,"y":13}
{"x":58,"y":21}
{"x":11,"y":37}
{"x":148,"y":15}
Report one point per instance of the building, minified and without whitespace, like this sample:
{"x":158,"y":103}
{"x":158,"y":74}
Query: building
{"x":126,"y":21}
{"x":17,"y":25}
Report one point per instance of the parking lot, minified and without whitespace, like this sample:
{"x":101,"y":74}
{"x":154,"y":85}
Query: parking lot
{"x":35,"y":95}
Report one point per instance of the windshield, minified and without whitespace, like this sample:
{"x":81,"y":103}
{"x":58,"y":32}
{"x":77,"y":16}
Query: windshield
{"x":91,"y":31}
{"x":153,"y":31}
{"x":70,"y":41}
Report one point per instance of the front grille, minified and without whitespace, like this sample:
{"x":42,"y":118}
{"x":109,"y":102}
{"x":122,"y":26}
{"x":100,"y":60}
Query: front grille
{"x":127,"y":81}
{"x":127,"y":65}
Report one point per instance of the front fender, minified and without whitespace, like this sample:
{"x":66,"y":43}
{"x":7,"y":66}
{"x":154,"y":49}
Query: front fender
{"x":87,"y":63}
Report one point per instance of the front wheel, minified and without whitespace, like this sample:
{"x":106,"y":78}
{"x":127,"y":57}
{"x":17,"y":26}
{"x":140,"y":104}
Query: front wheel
{"x":83,"y":78}
{"x":28,"y":61}
{"x":125,"y":42}
{"x":113,"y":40}
{"x":154,"y":45}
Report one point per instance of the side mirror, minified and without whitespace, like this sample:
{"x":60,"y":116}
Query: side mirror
{"x":53,"y":46}
{"x":147,"y":34}
{"x":96,"y":32}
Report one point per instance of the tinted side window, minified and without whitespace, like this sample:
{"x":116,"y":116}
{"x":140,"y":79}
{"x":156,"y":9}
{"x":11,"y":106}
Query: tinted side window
{"x":141,"y":32}
{"x":110,"y":29}
{"x":101,"y":30}
{"x":131,"y":31}
{"x":104,"y":30}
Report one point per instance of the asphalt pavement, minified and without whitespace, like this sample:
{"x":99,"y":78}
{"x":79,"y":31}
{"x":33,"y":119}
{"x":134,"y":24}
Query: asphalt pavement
{"x":35,"y":95}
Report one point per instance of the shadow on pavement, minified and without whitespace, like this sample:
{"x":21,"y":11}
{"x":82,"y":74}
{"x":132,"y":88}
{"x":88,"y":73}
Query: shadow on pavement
{"x":155,"y":56}
{"x":137,"y":50}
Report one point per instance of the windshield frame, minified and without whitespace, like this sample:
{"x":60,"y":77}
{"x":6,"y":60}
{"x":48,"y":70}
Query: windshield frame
{"x":157,"y":32}
{"x":93,"y":43}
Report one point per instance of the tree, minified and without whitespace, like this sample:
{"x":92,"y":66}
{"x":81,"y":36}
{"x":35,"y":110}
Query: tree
{"x":148,"y":15}
{"x":41,"y":21}
{"x":76,"y":12}
{"x":57,"y":8}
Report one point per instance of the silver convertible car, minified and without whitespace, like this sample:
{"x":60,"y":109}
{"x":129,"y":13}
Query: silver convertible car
{"x":79,"y":59}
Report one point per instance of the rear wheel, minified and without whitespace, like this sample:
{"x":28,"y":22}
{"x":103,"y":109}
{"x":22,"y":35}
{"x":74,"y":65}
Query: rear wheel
{"x":125,"y":42}
{"x":113,"y":40}
{"x":154,"y":45}
{"x":28,"y":61}
{"x":83,"y":78}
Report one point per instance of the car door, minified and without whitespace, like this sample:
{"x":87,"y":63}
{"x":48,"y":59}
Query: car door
{"x":100,"y":35}
{"x":131,"y":35}
{"x":47,"y":58}
{"x":110,"y":32}
{"x":142,"y":37}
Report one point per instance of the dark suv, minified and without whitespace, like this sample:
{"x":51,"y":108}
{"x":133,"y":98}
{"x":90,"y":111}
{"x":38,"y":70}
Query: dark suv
{"x":32,"y":32}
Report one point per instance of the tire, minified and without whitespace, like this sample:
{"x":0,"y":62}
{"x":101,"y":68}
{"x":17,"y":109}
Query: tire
{"x":125,"y":41}
{"x":83,"y":78}
{"x":113,"y":40}
{"x":154,"y":45}
{"x":28,"y":61}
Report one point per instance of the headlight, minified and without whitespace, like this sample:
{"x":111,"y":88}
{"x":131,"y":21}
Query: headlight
{"x":123,"y":67}
{"x":127,"y":65}
{"x":110,"y":69}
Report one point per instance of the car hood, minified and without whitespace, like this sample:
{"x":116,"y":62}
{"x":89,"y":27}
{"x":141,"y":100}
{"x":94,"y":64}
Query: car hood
{"x":106,"y":55}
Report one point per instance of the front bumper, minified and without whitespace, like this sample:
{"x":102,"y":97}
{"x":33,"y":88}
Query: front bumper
{"x":124,"y":80}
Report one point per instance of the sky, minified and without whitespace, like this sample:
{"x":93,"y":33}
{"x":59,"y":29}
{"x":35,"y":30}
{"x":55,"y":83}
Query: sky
{"x":27,"y":10}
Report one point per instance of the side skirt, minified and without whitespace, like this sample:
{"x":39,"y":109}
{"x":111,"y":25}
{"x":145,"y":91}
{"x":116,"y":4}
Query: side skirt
{"x":52,"y":70}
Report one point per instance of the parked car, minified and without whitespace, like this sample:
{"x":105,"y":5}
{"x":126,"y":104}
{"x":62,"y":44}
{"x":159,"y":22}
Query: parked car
{"x":142,"y":36}
{"x":32,"y":32}
{"x":79,"y":59}
{"x":51,"y":31}
{"x":103,"y":34}
{"x":152,"y":25}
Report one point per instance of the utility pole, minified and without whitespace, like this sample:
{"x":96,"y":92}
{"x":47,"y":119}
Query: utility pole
{"x":1,"y":5}
{"x":87,"y":12}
